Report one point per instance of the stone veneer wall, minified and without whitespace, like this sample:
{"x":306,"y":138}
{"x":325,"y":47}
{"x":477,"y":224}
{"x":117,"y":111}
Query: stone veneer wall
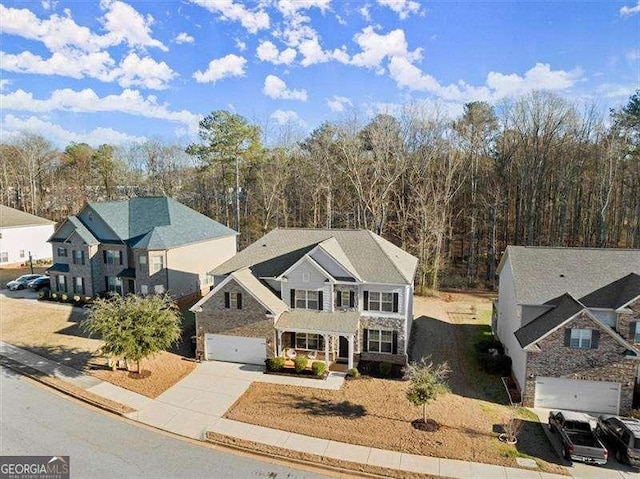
{"x":626,"y":318}
{"x":606,"y":363}
{"x":397,"y":324}
{"x":249,"y":321}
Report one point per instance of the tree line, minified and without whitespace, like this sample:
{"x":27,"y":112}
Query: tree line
{"x":534,"y":170}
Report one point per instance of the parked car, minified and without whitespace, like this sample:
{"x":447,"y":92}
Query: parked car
{"x":579,"y":442}
{"x":21,"y":282}
{"x":622,"y":435}
{"x":40,"y":283}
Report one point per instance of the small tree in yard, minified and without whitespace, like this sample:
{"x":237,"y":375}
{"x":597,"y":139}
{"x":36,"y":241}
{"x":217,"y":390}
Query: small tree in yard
{"x":134,"y":327}
{"x":427,"y":382}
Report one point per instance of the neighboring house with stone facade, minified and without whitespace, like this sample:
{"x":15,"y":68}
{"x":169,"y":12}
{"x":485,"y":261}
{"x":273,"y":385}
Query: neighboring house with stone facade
{"x":568,"y":318}
{"x":336,"y":295}
{"x":144,"y":245}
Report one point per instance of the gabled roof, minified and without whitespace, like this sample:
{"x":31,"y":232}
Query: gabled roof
{"x":154,"y":222}
{"x":332,"y":248}
{"x":541,"y":273}
{"x":253,"y":286}
{"x":82,"y":230}
{"x":614,"y":295}
{"x":373,"y":258}
{"x":13,"y":218}
{"x":564,"y":307}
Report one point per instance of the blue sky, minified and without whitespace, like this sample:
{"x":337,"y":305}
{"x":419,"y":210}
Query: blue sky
{"x":116,"y":72}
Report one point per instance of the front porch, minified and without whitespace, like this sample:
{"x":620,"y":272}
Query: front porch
{"x":328,"y":337}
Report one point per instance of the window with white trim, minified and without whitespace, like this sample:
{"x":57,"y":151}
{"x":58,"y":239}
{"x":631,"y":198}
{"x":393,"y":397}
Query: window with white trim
{"x":4,"y":256}
{"x":158,"y":264}
{"x":380,"y":301}
{"x":380,"y":341}
{"x":78,"y":285}
{"x":314,"y":342}
{"x":158,"y":289}
{"x":22,"y":253}
{"x":636,"y":336}
{"x":233,"y":300}
{"x":580,"y":338}
{"x":142,"y":259}
{"x":62,"y":252}
{"x":114,"y":284}
{"x":62,"y":283}
{"x":144,"y":289}
{"x":111,"y":256}
{"x":306,"y":299}
{"x":78,"y":256}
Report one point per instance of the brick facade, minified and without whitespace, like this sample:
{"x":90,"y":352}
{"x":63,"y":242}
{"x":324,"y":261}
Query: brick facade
{"x":605,"y":363}
{"x":625,"y":321}
{"x":249,"y":321}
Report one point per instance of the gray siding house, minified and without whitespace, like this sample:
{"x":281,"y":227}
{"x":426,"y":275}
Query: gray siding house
{"x":568,"y":318}
{"x":144,"y":245}
{"x":336,"y":295}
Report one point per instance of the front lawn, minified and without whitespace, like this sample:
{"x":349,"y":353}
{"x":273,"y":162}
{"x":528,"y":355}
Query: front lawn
{"x":53,"y":330}
{"x":374,"y":412}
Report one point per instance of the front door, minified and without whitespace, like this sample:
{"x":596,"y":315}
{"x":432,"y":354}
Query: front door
{"x":343,"y":349}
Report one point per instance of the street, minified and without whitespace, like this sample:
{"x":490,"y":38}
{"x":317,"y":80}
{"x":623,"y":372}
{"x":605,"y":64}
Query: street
{"x":35,"y":421}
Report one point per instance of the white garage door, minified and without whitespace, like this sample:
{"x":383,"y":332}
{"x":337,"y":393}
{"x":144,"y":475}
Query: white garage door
{"x":235,"y":349}
{"x":577,"y":395}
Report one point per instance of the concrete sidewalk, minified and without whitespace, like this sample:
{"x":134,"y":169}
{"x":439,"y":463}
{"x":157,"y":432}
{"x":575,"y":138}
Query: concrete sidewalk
{"x":197,"y":403}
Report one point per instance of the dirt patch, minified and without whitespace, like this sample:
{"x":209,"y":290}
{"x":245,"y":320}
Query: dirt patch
{"x":53,"y":331}
{"x":343,"y":466}
{"x":427,"y":426}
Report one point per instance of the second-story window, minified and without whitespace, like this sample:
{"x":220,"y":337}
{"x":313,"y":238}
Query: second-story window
{"x":62,"y":252}
{"x":232,"y":300}
{"x":78,"y":257}
{"x":112,"y":256}
{"x":306,"y":299}
{"x":158,"y":264}
{"x":383,"y":302}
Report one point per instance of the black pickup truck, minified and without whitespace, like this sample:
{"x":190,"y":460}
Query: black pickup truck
{"x":579,"y":442}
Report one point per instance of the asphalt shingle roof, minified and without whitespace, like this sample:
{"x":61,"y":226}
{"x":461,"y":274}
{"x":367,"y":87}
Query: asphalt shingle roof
{"x":342,"y":322}
{"x":157,"y":222}
{"x":564,"y":307}
{"x":540,"y":273}
{"x":82,"y":230}
{"x":614,"y":295}
{"x":12,"y":218}
{"x":374,"y":259}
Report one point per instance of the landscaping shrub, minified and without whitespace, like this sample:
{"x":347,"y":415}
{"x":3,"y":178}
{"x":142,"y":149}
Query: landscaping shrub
{"x":495,"y":364}
{"x":44,"y":294}
{"x":64,"y":298}
{"x":384,"y":368}
{"x":353,"y":373}
{"x":54,"y":296}
{"x":319,"y":368}
{"x":635,"y":413}
{"x":485,"y":344}
{"x":300,"y":363}
{"x":275,"y":364}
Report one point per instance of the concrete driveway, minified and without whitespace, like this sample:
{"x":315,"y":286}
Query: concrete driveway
{"x":193,"y":405}
{"x":19,"y":294}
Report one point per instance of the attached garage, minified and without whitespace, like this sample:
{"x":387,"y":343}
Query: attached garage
{"x":235,"y":349}
{"x":577,"y":395}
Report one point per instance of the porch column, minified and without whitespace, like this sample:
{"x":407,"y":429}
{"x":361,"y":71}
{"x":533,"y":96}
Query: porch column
{"x":350,"y":358}
{"x":279,"y":340}
{"x":326,"y":349}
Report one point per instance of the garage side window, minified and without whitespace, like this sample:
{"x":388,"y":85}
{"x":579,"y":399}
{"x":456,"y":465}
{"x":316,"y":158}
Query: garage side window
{"x":579,"y":338}
{"x":233,"y":300}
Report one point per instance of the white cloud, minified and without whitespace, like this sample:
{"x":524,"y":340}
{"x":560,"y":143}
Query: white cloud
{"x":240,"y":45}
{"x":123,"y":24}
{"x":376,"y":47}
{"x":282,"y":117}
{"x":12,"y":125}
{"x":48,"y":4}
{"x":225,"y":67}
{"x":630,"y":11}
{"x":4,"y":83}
{"x":184,"y":37}
{"x":338,"y":103}
{"x":364,"y":11}
{"x":131,"y":102}
{"x":276,"y":88}
{"x":614,"y":90}
{"x":403,"y":8}
{"x":145,"y":72}
{"x":292,"y":8}
{"x":237,"y":12}
{"x":540,"y":77}
{"x":268,"y":52}
{"x":126,"y":25}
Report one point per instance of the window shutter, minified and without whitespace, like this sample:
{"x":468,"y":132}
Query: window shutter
{"x":396,"y":299}
{"x":567,"y":337}
{"x":82,"y":255}
{"x":365,"y":340}
{"x":293,"y":298}
{"x":320,"y":301}
{"x":82,"y":280}
{"x":239,"y":305}
{"x":352,"y":299}
{"x":106,"y":283}
{"x":632,"y":330}
{"x":595,"y":338}
{"x":394,"y":346}
{"x":227,"y":300}
{"x":339,"y":299}
{"x":120,"y":254}
{"x":365,"y":306}
{"x":104,"y":255}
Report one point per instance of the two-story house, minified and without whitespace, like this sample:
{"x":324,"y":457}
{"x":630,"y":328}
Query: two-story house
{"x":568,"y":318}
{"x":144,"y":245}
{"x":23,"y":235}
{"x":336,"y":294}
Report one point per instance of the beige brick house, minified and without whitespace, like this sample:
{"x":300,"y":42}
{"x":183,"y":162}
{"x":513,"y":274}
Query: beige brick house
{"x":335,"y":295}
{"x":144,"y":245}
{"x":568,"y":318}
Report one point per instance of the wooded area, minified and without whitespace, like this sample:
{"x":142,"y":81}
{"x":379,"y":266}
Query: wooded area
{"x":537,"y":170}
